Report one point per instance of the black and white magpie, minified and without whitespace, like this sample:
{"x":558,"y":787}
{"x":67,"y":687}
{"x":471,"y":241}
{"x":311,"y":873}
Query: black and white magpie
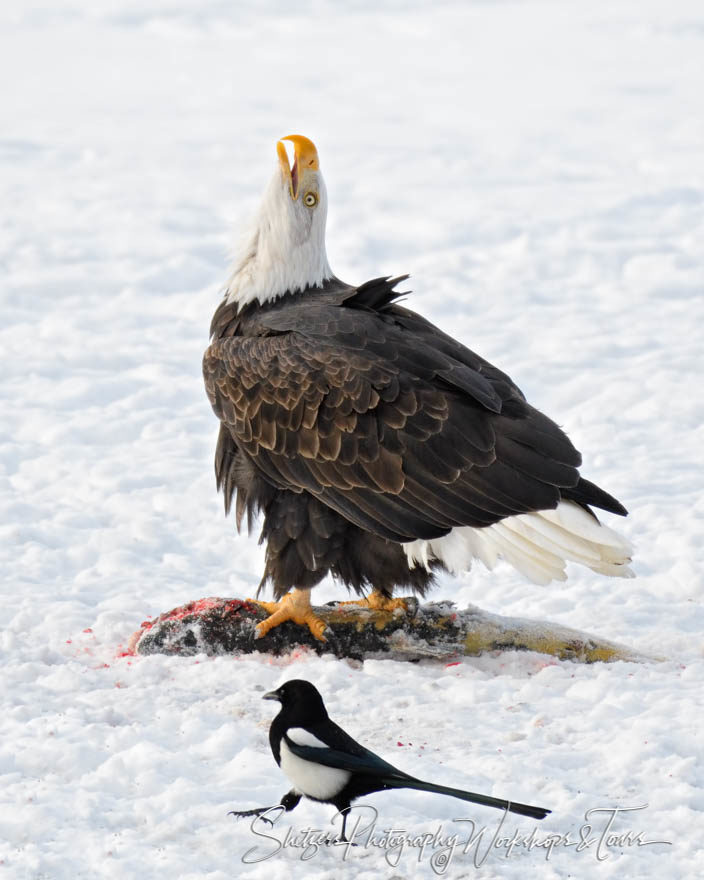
{"x":325,"y":764}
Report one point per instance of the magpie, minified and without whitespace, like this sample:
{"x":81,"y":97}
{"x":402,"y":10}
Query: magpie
{"x":325,"y":764}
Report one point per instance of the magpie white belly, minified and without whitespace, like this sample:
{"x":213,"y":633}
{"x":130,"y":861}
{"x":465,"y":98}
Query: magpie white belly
{"x":313,"y":780}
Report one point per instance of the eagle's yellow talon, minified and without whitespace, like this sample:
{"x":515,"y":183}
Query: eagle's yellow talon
{"x":293,"y":606}
{"x":376,"y":601}
{"x":317,"y":626}
{"x":270,"y":607}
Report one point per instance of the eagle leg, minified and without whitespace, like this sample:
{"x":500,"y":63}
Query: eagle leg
{"x":377,"y":601}
{"x":293,"y":606}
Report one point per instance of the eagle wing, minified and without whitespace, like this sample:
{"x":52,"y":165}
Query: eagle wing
{"x":385,"y":419}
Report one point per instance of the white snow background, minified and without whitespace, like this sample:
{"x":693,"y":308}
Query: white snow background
{"x":538,"y":167}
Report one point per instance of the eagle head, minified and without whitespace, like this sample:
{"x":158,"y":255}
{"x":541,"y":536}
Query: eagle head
{"x":284,"y":251}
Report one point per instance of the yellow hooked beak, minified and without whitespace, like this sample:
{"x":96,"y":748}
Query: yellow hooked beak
{"x":304,"y":156}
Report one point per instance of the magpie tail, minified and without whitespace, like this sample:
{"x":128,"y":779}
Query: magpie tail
{"x":485,"y":800}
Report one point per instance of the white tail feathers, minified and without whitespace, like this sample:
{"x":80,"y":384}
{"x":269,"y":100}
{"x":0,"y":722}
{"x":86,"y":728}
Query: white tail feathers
{"x":537,"y":544}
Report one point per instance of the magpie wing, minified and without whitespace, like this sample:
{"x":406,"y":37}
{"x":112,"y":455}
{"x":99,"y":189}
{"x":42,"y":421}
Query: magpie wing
{"x":363,"y":761}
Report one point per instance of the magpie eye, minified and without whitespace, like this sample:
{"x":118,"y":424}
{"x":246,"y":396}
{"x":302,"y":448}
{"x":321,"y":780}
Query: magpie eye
{"x":310,"y":199}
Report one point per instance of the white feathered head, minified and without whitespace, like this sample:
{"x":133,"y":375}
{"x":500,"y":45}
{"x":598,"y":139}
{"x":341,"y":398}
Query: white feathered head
{"x":285,"y":250}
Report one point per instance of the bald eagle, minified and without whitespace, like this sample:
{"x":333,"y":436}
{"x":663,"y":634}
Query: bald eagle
{"x":377,"y":448}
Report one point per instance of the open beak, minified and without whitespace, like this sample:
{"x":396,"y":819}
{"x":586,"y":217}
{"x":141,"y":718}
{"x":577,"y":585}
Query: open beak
{"x":272,"y":695}
{"x":304,"y":156}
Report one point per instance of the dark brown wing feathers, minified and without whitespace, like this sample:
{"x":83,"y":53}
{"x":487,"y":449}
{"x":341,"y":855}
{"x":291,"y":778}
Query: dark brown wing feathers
{"x":382,"y":417}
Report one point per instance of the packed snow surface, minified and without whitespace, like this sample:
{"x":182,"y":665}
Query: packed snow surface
{"x":538,"y":168}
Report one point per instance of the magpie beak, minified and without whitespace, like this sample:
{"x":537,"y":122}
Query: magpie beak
{"x":326,"y":765}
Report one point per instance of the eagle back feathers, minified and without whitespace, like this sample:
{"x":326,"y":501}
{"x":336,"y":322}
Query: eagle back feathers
{"x":341,"y":393}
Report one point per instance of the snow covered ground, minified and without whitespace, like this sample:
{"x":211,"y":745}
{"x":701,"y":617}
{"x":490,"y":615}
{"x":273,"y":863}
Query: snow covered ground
{"x":539,"y":168}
